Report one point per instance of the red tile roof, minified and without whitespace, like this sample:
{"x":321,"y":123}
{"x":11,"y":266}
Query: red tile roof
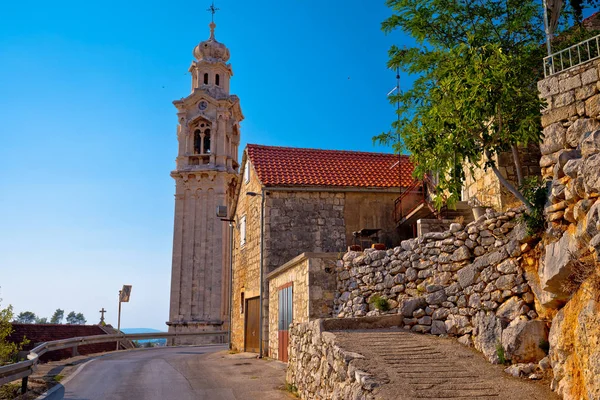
{"x":289,"y":166}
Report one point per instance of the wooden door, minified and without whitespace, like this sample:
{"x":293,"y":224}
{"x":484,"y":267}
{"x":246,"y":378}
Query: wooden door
{"x":251,"y":337}
{"x":285,"y":319}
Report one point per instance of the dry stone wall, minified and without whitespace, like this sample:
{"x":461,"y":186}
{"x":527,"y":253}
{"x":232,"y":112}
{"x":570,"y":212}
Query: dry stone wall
{"x":468,"y":282}
{"x":571,"y":165}
{"x":321,"y":370}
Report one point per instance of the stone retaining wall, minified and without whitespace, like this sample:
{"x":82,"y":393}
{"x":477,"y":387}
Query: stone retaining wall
{"x":321,"y":370}
{"x":469,"y":282}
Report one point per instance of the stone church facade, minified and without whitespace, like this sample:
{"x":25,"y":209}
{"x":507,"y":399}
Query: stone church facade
{"x":208,"y":135}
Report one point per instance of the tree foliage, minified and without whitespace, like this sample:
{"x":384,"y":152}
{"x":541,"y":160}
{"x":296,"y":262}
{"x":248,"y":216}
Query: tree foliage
{"x":477,"y":63}
{"x":26,"y":317}
{"x":57,"y":317}
{"x":76,"y":319}
{"x":8,"y":350}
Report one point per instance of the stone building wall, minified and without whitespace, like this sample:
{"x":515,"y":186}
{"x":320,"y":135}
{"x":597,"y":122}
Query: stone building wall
{"x":571,"y":165}
{"x":246,"y":258}
{"x":296,"y":222}
{"x":484,"y":186}
{"x":371,"y":210}
{"x":312,"y":276}
{"x":470,"y":282}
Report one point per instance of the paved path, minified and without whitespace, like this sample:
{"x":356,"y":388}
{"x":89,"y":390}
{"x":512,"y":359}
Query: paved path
{"x":179,"y":373}
{"x":428,"y":367}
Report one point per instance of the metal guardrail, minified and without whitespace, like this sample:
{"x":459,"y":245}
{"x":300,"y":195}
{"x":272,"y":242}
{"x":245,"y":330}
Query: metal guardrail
{"x":572,"y":56}
{"x":22,"y":370}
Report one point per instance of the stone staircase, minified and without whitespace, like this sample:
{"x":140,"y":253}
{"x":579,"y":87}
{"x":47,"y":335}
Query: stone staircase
{"x":427,"y":367}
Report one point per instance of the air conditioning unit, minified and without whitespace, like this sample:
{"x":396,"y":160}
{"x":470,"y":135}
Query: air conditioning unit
{"x":222,"y":211}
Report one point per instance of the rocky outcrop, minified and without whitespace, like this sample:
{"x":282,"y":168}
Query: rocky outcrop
{"x":575,"y":346}
{"x":571,"y":162}
{"x":467,"y":282}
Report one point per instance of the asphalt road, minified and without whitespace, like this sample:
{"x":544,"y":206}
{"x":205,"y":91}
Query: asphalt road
{"x":178,"y":373}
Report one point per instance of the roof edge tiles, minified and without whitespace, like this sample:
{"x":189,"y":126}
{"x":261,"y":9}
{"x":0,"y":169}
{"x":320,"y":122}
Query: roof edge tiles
{"x":293,"y":166}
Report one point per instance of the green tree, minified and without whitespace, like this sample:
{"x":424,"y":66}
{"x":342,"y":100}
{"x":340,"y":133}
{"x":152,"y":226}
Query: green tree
{"x":477,"y":64}
{"x":26,"y":317}
{"x":57,"y":317}
{"x":76,"y":319}
{"x":8,"y":350}
{"x":43,"y":320}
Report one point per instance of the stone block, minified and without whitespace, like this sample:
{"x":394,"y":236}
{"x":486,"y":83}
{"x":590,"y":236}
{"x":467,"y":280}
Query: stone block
{"x":557,"y":264}
{"x":462,"y":253}
{"x":589,"y":77}
{"x":560,"y":114}
{"x":438,"y":328}
{"x":564,"y":99}
{"x":569,"y":83}
{"x":409,"y":306}
{"x":592,"y":106}
{"x":510,"y":309}
{"x":467,"y":276}
{"x":487,"y":334}
{"x":521,"y":340}
{"x":590,"y":144}
{"x":554,"y":140}
{"x":584,"y":93}
{"x":548,"y":87}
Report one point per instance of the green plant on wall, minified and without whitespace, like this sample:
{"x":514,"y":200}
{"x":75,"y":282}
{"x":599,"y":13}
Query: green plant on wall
{"x":380,"y":303}
{"x":536,"y":192}
{"x":500,"y":353}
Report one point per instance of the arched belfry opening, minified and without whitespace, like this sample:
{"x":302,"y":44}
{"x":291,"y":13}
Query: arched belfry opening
{"x":207,"y":141}
{"x":201,"y":137}
{"x":197,"y":142}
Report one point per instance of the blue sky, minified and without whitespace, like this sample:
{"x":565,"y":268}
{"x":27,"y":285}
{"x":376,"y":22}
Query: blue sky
{"x":88,"y":131}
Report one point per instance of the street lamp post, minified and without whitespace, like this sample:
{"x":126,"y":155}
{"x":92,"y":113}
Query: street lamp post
{"x":124,"y":295}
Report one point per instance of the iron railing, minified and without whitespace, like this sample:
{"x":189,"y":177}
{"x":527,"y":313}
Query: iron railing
{"x":412,"y":197}
{"x":572,"y":56}
{"x":23,"y":369}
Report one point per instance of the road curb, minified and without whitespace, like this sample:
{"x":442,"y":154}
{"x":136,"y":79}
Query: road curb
{"x":49,"y":393}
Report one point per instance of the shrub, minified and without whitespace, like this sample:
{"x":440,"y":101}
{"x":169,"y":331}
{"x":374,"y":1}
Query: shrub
{"x":290,"y":387}
{"x":500,"y":353}
{"x":536,"y":193}
{"x":380,"y":303}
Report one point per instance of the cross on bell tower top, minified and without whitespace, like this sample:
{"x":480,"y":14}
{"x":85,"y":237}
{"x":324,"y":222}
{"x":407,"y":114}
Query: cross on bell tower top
{"x":212,"y":9}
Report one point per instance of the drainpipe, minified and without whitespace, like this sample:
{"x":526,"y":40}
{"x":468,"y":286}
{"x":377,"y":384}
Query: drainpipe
{"x":262,"y":245}
{"x":231,"y":221}
{"x":261,"y":267}
{"x":230,"y":280}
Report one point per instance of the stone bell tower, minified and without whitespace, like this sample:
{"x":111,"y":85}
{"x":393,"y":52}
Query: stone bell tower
{"x":207,"y":163}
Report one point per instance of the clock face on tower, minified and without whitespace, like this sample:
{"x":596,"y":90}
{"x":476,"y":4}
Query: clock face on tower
{"x":202,"y":105}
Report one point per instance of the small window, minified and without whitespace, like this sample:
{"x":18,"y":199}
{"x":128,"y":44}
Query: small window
{"x":243,"y":230}
{"x":242,"y":303}
{"x":247,"y":172}
{"x":206,"y":79}
{"x":217,"y":80}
